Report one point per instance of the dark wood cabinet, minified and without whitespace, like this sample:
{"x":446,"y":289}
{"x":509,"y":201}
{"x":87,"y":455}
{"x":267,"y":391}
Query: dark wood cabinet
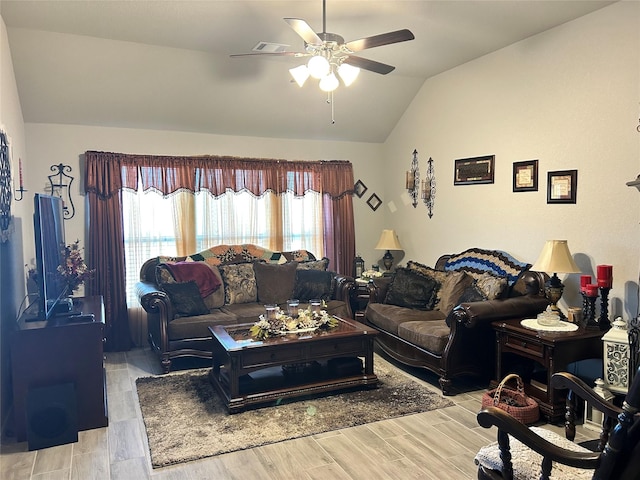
{"x":59,"y":351}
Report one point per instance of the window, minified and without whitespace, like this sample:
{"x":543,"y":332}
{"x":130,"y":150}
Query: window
{"x":158,"y":225}
{"x":113,"y":180}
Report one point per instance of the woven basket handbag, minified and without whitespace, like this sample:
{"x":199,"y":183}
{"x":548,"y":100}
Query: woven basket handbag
{"x":521,"y":407}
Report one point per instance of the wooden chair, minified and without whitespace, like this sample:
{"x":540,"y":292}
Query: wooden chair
{"x":532,"y":453}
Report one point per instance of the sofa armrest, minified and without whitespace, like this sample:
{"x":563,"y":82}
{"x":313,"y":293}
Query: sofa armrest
{"x":159,"y":312}
{"x":473,"y":313}
{"x":378,"y":290}
{"x":152,"y":298}
{"x":343,"y":284}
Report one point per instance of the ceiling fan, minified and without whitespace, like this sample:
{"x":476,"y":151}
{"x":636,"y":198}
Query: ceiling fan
{"x":330,"y":54}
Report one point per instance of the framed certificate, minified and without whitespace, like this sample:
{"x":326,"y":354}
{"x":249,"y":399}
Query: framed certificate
{"x":561,"y":186}
{"x":525,"y":176}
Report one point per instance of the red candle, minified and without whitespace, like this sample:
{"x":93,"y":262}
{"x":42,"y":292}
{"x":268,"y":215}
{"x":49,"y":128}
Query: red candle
{"x":591,"y":290}
{"x":605,"y":276}
{"x":584,"y":281}
{"x":20,"y":170}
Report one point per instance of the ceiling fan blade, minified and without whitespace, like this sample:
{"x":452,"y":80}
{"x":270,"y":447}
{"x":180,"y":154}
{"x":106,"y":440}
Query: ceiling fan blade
{"x":303,"y":29}
{"x":371,"y":65}
{"x":379,"y":40}
{"x":272,"y":54}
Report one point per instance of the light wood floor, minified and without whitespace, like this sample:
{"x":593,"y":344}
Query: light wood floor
{"x":431,"y":445}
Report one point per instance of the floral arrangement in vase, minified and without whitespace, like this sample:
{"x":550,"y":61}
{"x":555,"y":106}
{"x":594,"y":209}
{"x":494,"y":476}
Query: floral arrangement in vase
{"x":74,"y":271}
{"x":279,"y":323}
{"x":371,"y":274}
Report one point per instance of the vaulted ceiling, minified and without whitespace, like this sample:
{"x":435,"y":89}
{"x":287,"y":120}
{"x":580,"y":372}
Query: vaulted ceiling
{"x":165,"y":65}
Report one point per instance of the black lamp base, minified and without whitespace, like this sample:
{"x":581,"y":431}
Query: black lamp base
{"x":387,"y":260}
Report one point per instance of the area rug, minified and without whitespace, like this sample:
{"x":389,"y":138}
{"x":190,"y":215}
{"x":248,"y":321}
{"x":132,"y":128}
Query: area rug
{"x":186,"y":420}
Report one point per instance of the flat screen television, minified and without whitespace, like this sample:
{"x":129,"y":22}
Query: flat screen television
{"x":50,"y":243}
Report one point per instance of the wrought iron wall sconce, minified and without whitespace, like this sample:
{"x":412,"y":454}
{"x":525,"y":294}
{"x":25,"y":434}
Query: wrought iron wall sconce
{"x":61,"y":186}
{"x":413,"y":180}
{"x":429,"y":187}
{"x":5,"y":185}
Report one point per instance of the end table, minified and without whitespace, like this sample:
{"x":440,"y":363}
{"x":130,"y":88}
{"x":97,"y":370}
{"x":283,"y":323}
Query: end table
{"x":360,"y":296}
{"x":551,"y":350}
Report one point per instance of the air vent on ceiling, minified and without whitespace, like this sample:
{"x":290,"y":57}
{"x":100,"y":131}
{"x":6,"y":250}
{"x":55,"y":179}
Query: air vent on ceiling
{"x":268,"y":47}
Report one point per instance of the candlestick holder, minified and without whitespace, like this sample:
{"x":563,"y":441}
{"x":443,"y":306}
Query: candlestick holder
{"x":21,"y":190}
{"x":605,"y":324}
{"x":589,"y":302}
{"x":413,"y":180}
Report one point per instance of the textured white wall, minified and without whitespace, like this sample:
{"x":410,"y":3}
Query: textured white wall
{"x":568,"y":97}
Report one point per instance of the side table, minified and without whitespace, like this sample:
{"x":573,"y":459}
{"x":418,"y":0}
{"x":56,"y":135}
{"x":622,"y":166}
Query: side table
{"x":360,"y":296}
{"x":551,"y":350}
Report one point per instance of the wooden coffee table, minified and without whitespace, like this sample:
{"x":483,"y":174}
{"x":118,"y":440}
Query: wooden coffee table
{"x":247,"y":371}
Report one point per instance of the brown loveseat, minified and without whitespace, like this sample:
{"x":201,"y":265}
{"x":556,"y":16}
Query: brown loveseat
{"x":440,"y":318}
{"x":225,"y":285}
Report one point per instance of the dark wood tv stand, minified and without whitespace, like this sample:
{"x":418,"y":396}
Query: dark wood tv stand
{"x":61,"y":350}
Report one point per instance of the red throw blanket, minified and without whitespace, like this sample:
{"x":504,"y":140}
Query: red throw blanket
{"x":204,"y":277}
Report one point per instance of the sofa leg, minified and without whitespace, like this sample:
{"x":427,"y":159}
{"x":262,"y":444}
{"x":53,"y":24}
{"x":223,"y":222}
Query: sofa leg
{"x":166,"y":364}
{"x":445,"y":385}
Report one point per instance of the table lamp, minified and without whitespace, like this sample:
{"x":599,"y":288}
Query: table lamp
{"x":388,"y":241}
{"x":555,"y":258}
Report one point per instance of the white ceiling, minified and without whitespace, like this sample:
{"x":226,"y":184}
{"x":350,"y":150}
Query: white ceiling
{"x":165,"y":65}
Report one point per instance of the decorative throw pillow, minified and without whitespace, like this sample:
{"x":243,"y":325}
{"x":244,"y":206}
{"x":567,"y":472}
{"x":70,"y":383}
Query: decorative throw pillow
{"x":321,"y":264}
{"x":239,"y":283}
{"x":470,"y":294}
{"x":437,"y":275}
{"x":451,"y":289}
{"x":164,"y":275}
{"x":493,"y":287}
{"x":411,"y":289}
{"x":185,"y":297}
{"x":275,"y":282}
{"x":448,"y":288}
{"x":313,"y":284}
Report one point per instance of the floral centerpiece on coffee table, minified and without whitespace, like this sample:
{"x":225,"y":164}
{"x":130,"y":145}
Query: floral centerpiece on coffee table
{"x":281,"y":323}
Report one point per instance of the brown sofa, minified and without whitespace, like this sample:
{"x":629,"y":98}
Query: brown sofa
{"x":440,"y":318}
{"x":226,"y":285}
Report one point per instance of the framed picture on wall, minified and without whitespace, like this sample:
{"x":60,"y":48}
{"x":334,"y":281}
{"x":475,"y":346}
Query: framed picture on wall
{"x":562,"y":186}
{"x":474,"y":170}
{"x":525,"y":176}
{"x":359,"y":188}
{"x":374,"y":202}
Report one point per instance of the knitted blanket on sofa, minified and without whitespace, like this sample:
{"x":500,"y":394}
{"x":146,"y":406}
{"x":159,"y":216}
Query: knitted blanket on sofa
{"x":496,"y":262}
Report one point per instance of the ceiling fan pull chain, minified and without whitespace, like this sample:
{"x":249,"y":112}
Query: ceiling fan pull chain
{"x":330,"y":102}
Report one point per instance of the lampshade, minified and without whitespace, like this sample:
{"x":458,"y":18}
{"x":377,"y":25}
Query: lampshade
{"x":555,"y":258}
{"x":388,"y":241}
{"x":348,"y":73}
{"x":329,"y":83}
{"x":318,"y":66}
{"x":300,"y":74}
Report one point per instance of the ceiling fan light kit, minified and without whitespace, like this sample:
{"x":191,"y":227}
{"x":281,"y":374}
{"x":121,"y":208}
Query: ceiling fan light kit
{"x":329,"y":83}
{"x":330,"y":54}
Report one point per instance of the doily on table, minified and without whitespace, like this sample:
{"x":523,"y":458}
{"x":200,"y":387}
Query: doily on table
{"x":559,"y":327}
